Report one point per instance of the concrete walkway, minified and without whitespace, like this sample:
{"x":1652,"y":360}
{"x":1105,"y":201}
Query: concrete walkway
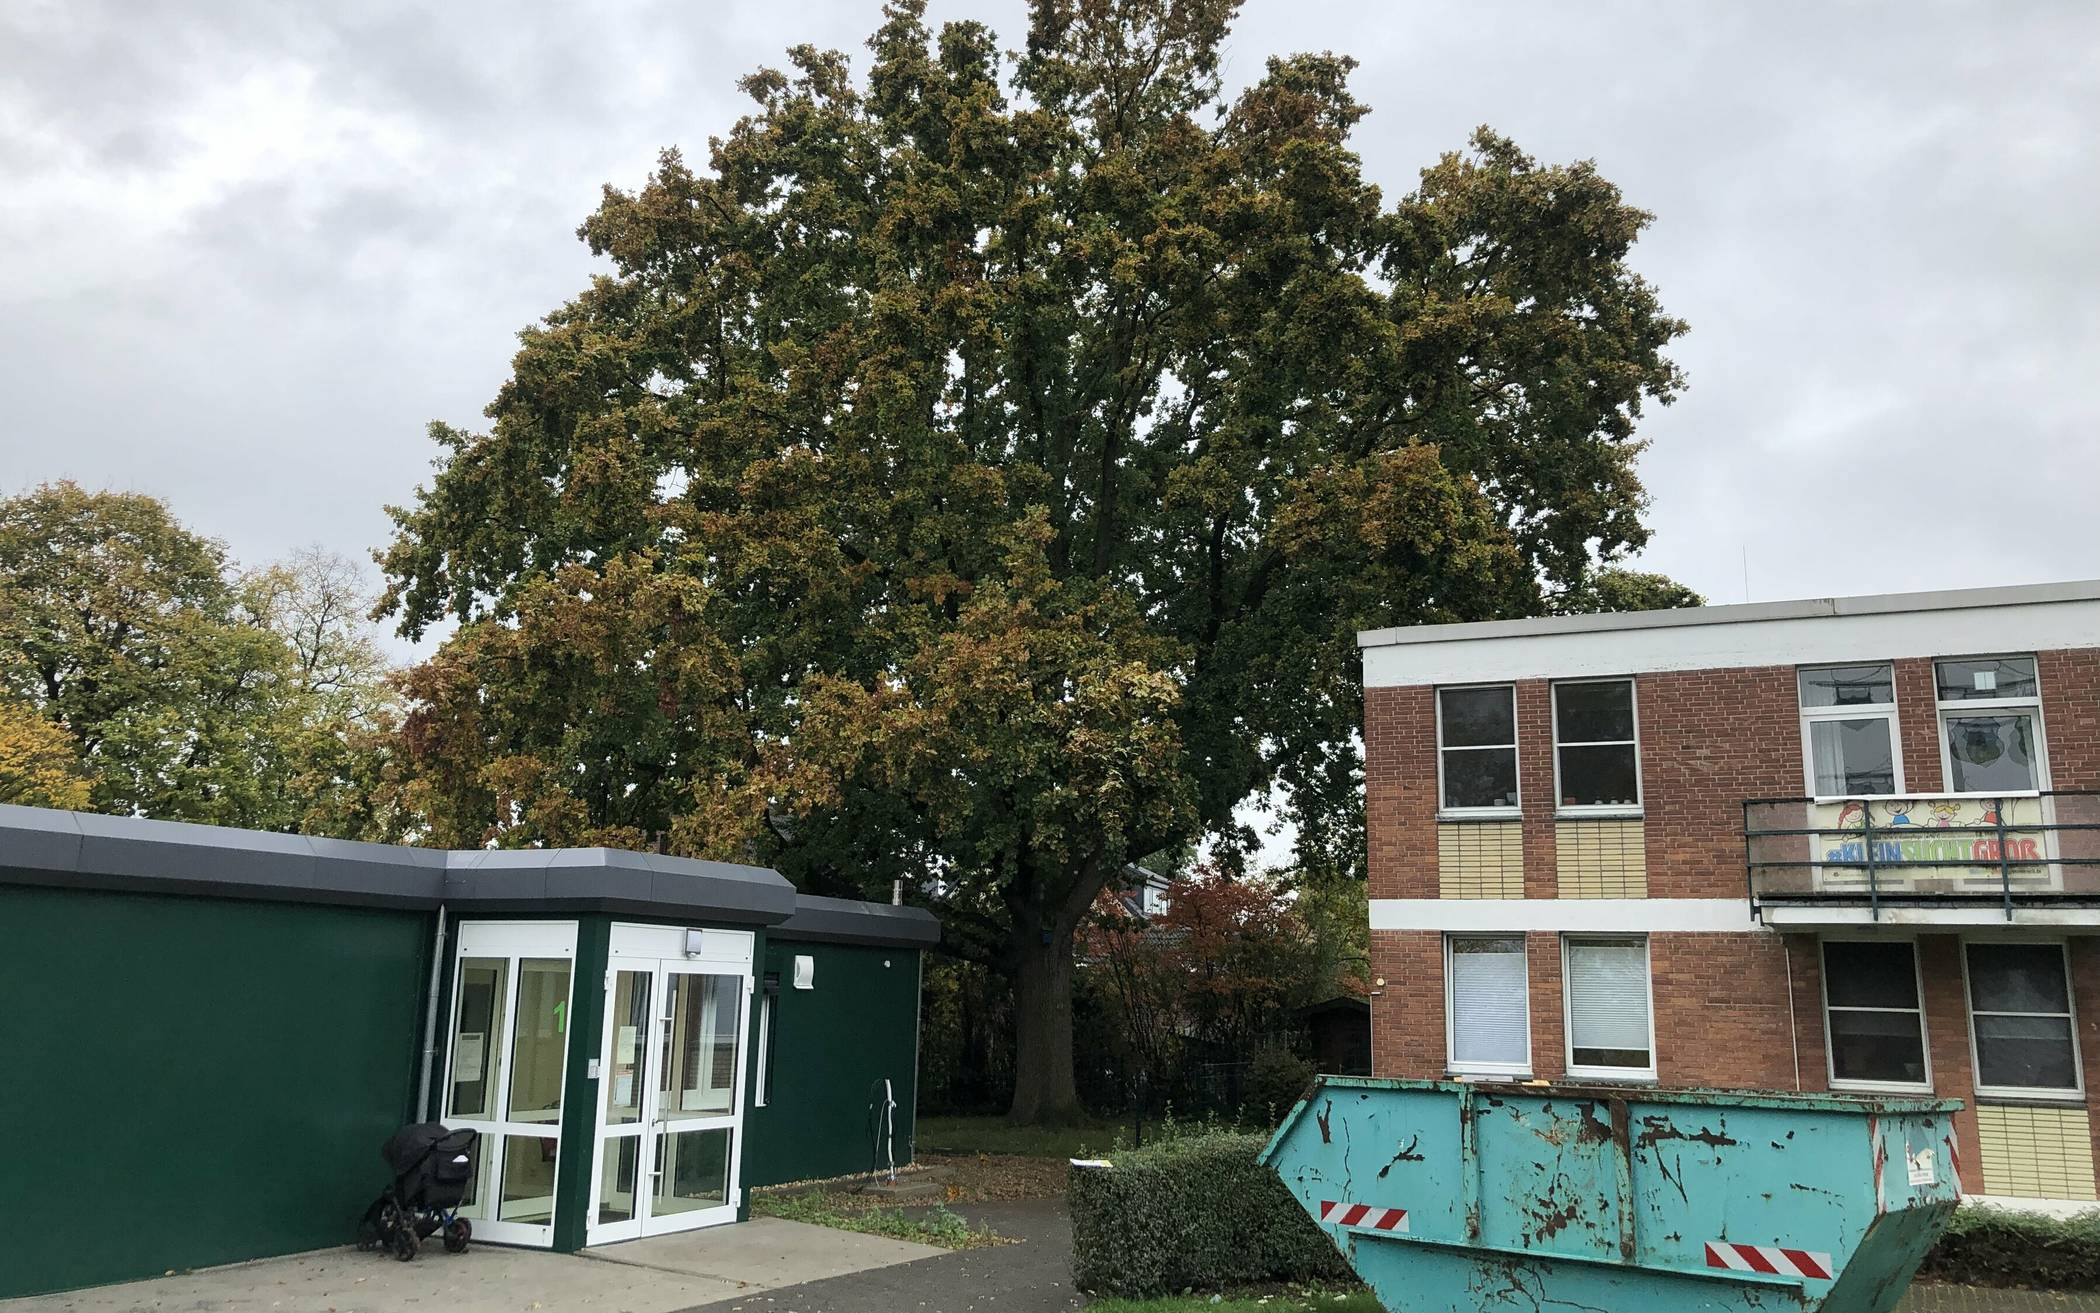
{"x":1929,"y":1298}
{"x":659,"y":1275}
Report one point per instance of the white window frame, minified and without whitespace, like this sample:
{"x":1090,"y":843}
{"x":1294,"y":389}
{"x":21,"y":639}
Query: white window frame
{"x":1633,"y":702}
{"x":1632,"y":1075}
{"x":1452,"y":1066}
{"x":1516,"y":735}
{"x":1924,"y":1025}
{"x":1942,"y":709}
{"x":1887,"y":710}
{"x":2015,"y":1093}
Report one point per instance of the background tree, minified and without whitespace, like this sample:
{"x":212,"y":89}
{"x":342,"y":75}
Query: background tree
{"x":185,"y":689}
{"x":38,"y":764}
{"x":976,"y":474}
{"x":1618,"y":589}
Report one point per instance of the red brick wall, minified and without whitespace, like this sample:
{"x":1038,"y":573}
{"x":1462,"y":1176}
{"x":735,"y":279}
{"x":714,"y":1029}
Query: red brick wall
{"x":1535,"y":787}
{"x":1918,"y":725}
{"x":2071,"y":716}
{"x":1400,"y":791}
{"x":1407,"y":1003}
{"x":1549,"y":1049}
{"x":2085,"y":1005}
{"x":1709,"y":740}
{"x":1947,"y":1034}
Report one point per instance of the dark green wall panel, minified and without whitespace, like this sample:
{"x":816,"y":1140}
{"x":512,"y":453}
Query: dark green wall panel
{"x":189,"y":1081}
{"x":831,"y":1047}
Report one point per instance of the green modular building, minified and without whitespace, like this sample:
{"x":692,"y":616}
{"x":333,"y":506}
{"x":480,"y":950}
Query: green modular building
{"x":210,"y":1032}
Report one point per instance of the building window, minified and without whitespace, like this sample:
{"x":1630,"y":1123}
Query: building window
{"x":1848,"y":730}
{"x":1488,"y":1004}
{"x":1990,"y":725}
{"x":1477,"y":748}
{"x":2020,"y":1019}
{"x":1872,"y":1017}
{"x":1596,"y":754}
{"x":1609,"y":1014}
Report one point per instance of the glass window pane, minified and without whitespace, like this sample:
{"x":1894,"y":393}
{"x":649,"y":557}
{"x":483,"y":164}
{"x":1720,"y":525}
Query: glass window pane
{"x":1852,"y":757}
{"x":1489,"y":1013}
{"x":1480,"y":777}
{"x":693,"y":1171}
{"x":1608,"y":1003}
{"x":477,"y":1035}
{"x":1963,"y":681}
{"x":1592,"y":713}
{"x":1479,"y":717}
{"x":616,"y":1178}
{"x":701,"y":1045}
{"x":542,"y":1022}
{"x":528,"y":1179}
{"x":474,"y":1202}
{"x":1881,"y":975}
{"x":1848,"y":686}
{"x":630,"y":1040}
{"x":1877,"y":1046}
{"x":1599,"y":777}
{"x":2017,"y":978}
{"x":2025,"y":1053}
{"x":1989,"y":754}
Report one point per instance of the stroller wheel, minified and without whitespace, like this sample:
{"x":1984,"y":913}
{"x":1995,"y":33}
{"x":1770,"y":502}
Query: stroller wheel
{"x":402,"y":1243}
{"x":457,"y":1233}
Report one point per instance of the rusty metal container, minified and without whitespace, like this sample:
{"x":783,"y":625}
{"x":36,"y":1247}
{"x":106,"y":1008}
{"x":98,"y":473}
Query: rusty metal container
{"x":1459,"y":1197}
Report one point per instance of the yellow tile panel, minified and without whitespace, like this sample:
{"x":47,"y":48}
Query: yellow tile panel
{"x":1601,"y":858}
{"x":2036,"y":1153}
{"x":1480,"y":859}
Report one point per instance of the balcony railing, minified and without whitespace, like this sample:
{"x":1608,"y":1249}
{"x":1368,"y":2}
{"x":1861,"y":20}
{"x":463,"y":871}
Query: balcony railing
{"x":1931,"y":850}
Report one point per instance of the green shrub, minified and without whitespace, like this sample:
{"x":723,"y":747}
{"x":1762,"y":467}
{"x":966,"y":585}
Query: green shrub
{"x":1275,"y":1079}
{"x":1994,"y":1247}
{"x":1190,"y":1213}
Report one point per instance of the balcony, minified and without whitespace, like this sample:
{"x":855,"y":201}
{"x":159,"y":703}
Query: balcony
{"x":1932,"y":859}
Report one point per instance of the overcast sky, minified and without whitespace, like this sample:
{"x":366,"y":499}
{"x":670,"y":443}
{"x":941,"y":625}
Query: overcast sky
{"x":247,"y":250}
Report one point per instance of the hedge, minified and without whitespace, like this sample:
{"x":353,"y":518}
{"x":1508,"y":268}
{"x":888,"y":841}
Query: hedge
{"x":1988,"y":1246}
{"x":1195,"y":1213}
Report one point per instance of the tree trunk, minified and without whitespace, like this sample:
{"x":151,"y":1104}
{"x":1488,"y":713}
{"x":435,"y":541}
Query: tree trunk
{"x":1044,"y":1091}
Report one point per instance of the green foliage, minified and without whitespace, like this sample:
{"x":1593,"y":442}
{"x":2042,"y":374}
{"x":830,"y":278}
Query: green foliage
{"x":1988,"y":1246}
{"x":189,"y":691}
{"x":1275,"y":1079}
{"x":1617,"y":589}
{"x":1193,"y":1212}
{"x":39,"y":766}
{"x":982,"y":467}
{"x":938,"y":1225}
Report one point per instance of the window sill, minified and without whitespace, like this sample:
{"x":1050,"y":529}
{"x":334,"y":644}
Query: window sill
{"x":1497,"y":814}
{"x":2033,"y":1098}
{"x":1476,"y":1074}
{"x":1613,"y":1076}
{"x":1879,"y":1087}
{"x":1598,"y":814}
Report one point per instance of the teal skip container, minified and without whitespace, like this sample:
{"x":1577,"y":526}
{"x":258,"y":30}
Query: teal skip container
{"x":1462,"y":1197}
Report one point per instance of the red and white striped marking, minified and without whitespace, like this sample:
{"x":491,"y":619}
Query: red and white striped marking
{"x":1771,"y":1260}
{"x":1377,"y":1219}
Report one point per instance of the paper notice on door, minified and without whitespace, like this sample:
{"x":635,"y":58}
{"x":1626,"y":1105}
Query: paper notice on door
{"x":624,"y":1046}
{"x":467,"y":1055}
{"x":1924,"y":1170}
{"x":623,"y":1091}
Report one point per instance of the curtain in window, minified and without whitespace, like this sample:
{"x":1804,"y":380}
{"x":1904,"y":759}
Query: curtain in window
{"x":1489,"y":1016}
{"x":1608,"y":1003}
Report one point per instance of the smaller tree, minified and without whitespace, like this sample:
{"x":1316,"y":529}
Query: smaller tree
{"x":1615,"y":588}
{"x":39,"y":766}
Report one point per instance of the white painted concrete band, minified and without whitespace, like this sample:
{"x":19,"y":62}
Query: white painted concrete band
{"x":1575,"y":915}
{"x":1781,"y":641}
{"x":1982,"y":914}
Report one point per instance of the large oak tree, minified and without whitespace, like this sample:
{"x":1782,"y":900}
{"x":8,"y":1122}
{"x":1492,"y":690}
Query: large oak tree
{"x":976,"y":473}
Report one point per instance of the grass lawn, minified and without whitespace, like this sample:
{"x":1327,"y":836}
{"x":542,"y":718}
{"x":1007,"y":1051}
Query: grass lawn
{"x":994,"y":1135}
{"x":849,"y":1212}
{"x":1359,"y":1301}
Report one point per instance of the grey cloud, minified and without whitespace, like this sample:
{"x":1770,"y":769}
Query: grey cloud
{"x":1875,"y":216}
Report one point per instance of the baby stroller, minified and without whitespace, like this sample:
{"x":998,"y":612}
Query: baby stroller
{"x":431,"y":1169}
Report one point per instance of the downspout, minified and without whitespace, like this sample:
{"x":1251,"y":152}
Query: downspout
{"x":1793,"y":1029}
{"x":430,"y":1017}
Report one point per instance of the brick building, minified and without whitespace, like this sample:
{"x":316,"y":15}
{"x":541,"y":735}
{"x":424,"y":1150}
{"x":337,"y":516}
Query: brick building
{"x":1847,"y":844}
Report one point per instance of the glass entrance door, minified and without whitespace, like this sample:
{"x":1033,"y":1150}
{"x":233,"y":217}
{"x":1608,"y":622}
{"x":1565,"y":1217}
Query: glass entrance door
{"x":671,"y":1084}
{"x":505,"y":1065}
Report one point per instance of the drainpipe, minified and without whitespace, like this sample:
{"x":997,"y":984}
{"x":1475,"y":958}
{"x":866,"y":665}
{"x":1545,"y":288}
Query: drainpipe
{"x":430,"y":1017}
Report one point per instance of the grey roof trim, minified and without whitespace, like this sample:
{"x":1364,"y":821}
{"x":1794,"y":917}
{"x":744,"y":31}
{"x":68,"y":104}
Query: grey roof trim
{"x":842,"y":921}
{"x":2079,"y":590}
{"x":82,"y":850}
